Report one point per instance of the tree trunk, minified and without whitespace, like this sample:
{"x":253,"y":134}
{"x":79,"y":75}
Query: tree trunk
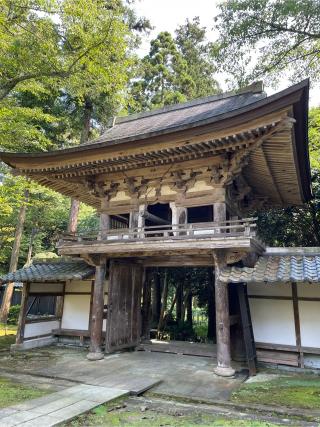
{"x":156,"y":296}
{"x":179,"y":302}
{"x":164,"y":302}
{"x":189,"y":309}
{"x":211,"y":308}
{"x":73,"y":216}
{"x":75,"y":204}
{"x":184,"y":305}
{"x":29,"y":256}
{"x":7,"y":297}
{"x":146,"y":307}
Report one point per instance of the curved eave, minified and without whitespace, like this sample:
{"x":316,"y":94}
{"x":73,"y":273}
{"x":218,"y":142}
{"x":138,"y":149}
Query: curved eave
{"x":295,"y":97}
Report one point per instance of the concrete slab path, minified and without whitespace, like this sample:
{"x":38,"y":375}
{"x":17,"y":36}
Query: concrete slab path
{"x":58,"y":407}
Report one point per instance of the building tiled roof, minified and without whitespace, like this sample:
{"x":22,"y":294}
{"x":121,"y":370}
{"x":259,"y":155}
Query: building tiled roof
{"x":276,"y":268}
{"x":50,"y":272}
{"x":181,"y":115}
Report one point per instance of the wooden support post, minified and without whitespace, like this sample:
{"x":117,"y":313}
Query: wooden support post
{"x":137,"y":220}
{"x":97,"y":312}
{"x":223,"y":368}
{"x":105,"y":225}
{"x":23,"y":313}
{"x":219,"y":213}
{"x":296,"y":315}
{"x":179,"y":216}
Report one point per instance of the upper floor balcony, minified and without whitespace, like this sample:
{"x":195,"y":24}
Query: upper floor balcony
{"x":161,"y":240}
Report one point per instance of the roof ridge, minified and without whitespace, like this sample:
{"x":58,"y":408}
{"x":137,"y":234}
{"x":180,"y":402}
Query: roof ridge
{"x":256,"y":87}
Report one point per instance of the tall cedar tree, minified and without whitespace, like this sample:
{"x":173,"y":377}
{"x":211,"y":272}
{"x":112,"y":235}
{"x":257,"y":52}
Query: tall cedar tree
{"x":175,"y":70}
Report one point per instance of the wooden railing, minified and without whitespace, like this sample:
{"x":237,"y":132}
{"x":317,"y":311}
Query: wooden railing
{"x":233,"y":228}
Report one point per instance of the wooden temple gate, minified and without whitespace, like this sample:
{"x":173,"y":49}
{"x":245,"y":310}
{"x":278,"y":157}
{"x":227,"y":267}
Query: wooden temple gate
{"x":236,"y":152}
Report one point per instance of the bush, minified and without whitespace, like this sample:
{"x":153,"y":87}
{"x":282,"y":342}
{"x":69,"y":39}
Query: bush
{"x":14,"y":314}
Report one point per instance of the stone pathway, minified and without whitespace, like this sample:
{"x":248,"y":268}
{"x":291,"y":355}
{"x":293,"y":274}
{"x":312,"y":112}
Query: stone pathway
{"x":61,"y":406}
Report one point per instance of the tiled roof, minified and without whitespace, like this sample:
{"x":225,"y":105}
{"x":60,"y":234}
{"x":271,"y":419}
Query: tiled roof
{"x":187,"y":114}
{"x":50,"y":271}
{"x":276,"y":268}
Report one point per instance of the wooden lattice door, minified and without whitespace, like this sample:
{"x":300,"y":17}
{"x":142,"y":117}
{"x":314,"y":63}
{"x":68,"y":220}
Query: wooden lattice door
{"x":124,"y":306}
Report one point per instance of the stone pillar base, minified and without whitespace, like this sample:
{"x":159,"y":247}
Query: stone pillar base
{"x":95,"y":356}
{"x":224,"y":371}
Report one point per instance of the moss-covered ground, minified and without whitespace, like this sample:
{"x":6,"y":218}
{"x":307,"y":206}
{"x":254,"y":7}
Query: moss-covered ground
{"x":119,"y":414}
{"x":293,"y":391}
{"x":12,"y":393}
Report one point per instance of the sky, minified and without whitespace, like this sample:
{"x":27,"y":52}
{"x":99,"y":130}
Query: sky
{"x":167,"y":15}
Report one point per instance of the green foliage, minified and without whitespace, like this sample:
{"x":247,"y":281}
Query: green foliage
{"x":267,"y":38}
{"x":13,"y":314}
{"x":314,"y":138}
{"x":175,"y":70}
{"x":56,"y":57}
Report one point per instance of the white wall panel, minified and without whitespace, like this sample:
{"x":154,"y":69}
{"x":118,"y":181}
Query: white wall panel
{"x":273,"y":321}
{"x":278,"y":289}
{"x":40,"y":328}
{"x":308,"y":290}
{"x":46,"y":287}
{"x":78,"y":286}
{"x":76,"y":312}
{"x":309,"y":312}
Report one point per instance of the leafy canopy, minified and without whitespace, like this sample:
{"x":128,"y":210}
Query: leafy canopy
{"x":67,"y":49}
{"x":268,"y":38}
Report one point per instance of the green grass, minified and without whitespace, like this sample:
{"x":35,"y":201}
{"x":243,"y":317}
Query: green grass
{"x":12,"y":393}
{"x":7,"y":329}
{"x":7,"y":336}
{"x":6,"y":341}
{"x":291,"y":391}
{"x":119,"y":415}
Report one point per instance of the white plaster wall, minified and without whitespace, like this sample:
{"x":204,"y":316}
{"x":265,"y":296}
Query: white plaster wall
{"x":276,"y":289}
{"x":40,"y":328}
{"x":78,"y":286}
{"x":46,"y":287}
{"x":76,"y":310}
{"x":309,"y":312}
{"x":272,"y":321}
{"x":309,"y":290}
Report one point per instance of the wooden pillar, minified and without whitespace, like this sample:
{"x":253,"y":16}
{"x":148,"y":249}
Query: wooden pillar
{"x":105,"y":225}
{"x":179,"y":216}
{"x":23,"y":313}
{"x":223,"y":368}
{"x":96,"y":323}
{"x":219,"y":213}
{"x":296,"y":315}
{"x":136,"y":220}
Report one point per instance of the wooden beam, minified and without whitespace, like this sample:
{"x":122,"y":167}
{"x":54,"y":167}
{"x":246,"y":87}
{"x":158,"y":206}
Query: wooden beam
{"x":154,"y":218}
